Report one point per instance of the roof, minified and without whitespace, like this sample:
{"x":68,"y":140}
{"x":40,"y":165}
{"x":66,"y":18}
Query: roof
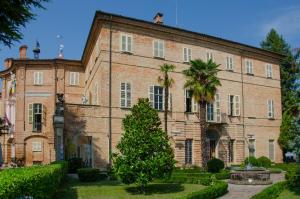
{"x":110,"y":17}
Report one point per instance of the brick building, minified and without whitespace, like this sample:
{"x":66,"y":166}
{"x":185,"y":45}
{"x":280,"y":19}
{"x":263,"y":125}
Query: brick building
{"x":120,"y":63}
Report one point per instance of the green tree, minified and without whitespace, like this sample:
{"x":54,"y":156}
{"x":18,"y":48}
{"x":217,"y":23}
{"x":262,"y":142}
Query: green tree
{"x":166,"y":81}
{"x":144,"y":150}
{"x":289,"y":73}
{"x":14,"y":14}
{"x":202,"y":80}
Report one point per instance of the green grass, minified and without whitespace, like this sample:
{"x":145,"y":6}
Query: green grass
{"x":290,"y":194}
{"x":115,"y":190}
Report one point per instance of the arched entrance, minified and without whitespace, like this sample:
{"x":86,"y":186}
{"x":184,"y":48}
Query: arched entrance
{"x":213,"y":138}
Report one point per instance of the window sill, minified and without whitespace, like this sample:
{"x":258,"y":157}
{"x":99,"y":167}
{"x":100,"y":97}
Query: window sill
{"x":186,"y":62}
{"x":250,"y":74}
{"x":251,"y":117}
{"x":229,"y":70}
{"x":126,"y":52}
{"x":269,"y":78}
{"x":271,"y":118}
{"x":36,"y":131}
{"x":38,"y":84}
{"x":74,"y":85}
{"x":160,"y":58}
{"x":125,"y":108}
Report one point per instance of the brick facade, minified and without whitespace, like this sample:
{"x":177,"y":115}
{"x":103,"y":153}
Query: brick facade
{"x":87,"y":131}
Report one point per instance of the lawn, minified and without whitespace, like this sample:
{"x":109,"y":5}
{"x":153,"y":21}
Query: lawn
{"x":288,"y":194}
{"x":115,"y":190}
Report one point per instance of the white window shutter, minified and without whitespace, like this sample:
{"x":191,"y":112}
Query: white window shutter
{"x":129,"y":43}
{"x":128,"y":95}
{"x":228,"y":105}
{"x":123,"y":43}
{"x":155,"y":48}
{"x":77,"y":78}
{"x":170,"y":102}
{"x":41,"y":78}
{"x":237,"y":105}
{"x":195,"y":105}
{"x":30,"y":113}
{"x":189,"y":55}
{"x":217,"y":107}
{"x":123,"y":95}
{"x":185,"y":95}
{"x":151,"y":96}
{"x":44,"y":114}
{"x":184,"y":55}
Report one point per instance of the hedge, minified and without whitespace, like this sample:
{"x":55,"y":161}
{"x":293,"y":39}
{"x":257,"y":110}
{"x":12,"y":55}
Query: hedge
{"x":36,"y":181}
{"x":293,"y":178}
{"x":224,"y":174}
{"x":90,"y":175}
{"x":271,"y":192}
{"x":216,"y":190}
{"x":192,"y":178}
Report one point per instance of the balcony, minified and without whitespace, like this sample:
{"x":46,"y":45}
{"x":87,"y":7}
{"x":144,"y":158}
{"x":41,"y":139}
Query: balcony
{"x":217,"y":118}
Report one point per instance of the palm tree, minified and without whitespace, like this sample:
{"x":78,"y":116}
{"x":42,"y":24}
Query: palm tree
{"x":202,"y":80}
{"x":166,"y":81}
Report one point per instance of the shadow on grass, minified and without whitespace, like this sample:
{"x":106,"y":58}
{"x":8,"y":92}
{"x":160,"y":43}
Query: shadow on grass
{"x":296,"y":191}
{"x":156,"y":189}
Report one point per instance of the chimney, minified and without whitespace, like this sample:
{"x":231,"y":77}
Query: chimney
{"x":158,"y":18}
{"x":22,"y":51}
{"x":7,"y":63}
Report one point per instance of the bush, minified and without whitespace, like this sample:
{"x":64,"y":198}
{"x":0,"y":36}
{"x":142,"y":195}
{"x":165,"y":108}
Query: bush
{"x":275,"y":170}
{"x":88,"y":174}
{"x":293,"y":178}
{"x":287,"y":167}
{"x":218,"y":189}
{"x":264,"y":162}
{"x":271,"y":192}
{"x":252,"y":160}
{"x":215,"y":165}
{"x":35,"y":181}
{"x":224,"y":174}
{"x":74,"y":164}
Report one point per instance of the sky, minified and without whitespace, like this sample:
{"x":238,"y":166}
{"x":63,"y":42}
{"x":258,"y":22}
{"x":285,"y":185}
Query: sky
{"x":242,"y":21}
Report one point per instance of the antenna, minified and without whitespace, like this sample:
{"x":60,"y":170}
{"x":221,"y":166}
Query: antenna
{"x":61,"y":47}
{"x":176,"y":13}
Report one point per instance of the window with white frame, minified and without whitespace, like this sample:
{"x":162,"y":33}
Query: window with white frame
{"x":234,"y":105}
{"x":249,"y":66}
{"x":213,"y":111}
{"x":270,"y":109}
{"x":158,"y":48}
{"x":190,"y":103}
{"x":38,"y":78}
{"x":36,"y":116}
{"x":74,"y":78}
{"x":229,"y":63}
{"x":271,"y":150}
{"x":269,"y":71}
{"x":209,"y":55}
{"x":95,"y":100}
{"x":125,"y":95}
{"x":36,"y":146}
{"x":188,"y":151}
{"x":187,"y":54}
{"x":251,"y":147}
{"x":126,"y":43}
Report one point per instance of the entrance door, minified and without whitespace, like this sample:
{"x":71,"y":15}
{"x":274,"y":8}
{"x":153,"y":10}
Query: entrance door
{"x":212,"y":149}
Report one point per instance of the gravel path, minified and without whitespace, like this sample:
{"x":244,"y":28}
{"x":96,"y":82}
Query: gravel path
{"x":246,"y":191}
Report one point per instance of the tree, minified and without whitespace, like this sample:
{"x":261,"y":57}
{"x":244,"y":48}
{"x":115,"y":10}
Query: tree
{"x":166,"y":81}
{"x":14,"y":14}
{"x":144,"y":149}
{"x":289,"y":73}
{"x":202,"y":80}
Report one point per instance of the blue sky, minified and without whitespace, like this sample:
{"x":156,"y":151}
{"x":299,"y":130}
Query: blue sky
{"x":242,"y":21}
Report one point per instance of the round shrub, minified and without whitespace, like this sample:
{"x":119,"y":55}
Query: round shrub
{"x":215,"y":165}
{"x":293,"y":178}
{"x":74,"y":164}
{"x":252,"y":160}
{"x":264,"y":162}
{"x":88,"y":174}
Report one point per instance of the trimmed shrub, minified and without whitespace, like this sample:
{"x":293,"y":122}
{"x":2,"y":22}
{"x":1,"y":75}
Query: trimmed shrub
{"x":224,"y":174}
{"x":192,"y":178}
{"x":263,"y":161}
{"x":275,"y":170}
{"x":89,"y":174}
{"x":216,"y":190}
{"x":271,"y":192}
{"x":215,"y":165}
{"x":74,"y":164}
{"x":252,"y":160}
{"x":287,"y":166}
{"x":35,"y":181}
{"x":293,"y":178}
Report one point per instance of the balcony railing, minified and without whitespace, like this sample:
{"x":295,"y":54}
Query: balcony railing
{"x":215,"y":118}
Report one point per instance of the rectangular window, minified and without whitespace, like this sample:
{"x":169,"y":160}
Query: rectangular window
{"x":188,"y":100}
{"x":271,"y":150}
{"x":125,"y":95}
{"x":36,"y":146}
{"x":74,"y":78}
{"x":158,"y":48}
{"x":231,"y":150}
{"x":38,"y":78}
{"x":270,"y":109}
{"x":95,"y":100}
{"x":187,"y":55}
{"x":126,"y":43}
{"x":188,"y":151}
{"x":229,"y":63}
{"x":234,"y":105}
{"x":213,"y":111}
{"x":209,"y":56}
{"x":35,"y":116}
{"x":251,"y":147}
{"x":157,"y":97}
{"x":269,"y":71}
{"x":249,"y":66}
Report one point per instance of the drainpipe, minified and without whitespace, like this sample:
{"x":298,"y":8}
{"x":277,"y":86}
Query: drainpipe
{"x":242,"y":79}
{"x":110,"y":94}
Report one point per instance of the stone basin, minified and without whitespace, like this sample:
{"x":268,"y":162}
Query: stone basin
{"x":254,"y":176}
